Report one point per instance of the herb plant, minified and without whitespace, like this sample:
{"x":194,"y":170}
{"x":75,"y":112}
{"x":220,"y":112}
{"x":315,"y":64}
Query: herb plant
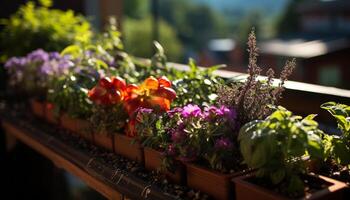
{"x":279,"y":147}
{"x":253,"y":97}
{"x":338,"y":146}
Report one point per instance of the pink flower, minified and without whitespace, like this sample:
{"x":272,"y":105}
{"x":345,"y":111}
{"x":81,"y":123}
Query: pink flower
{"x":191,"y":111}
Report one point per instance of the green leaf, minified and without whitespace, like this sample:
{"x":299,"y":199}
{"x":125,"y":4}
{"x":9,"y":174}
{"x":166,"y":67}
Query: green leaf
{"x":73,"y":50}
{"x":296,"y":185}
{"x":46,"y":3}
{"x":277,"y":176}
{"x":341,"y":151}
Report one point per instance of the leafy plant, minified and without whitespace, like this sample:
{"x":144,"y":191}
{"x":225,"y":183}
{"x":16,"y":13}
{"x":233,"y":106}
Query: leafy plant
{"x":69,"y":93}
{"x":338,"y":147}
{"x":252,"y":99}
{"x":108,"y":114}
{"x":201,"y":82}
{"x":279,"y":147}
{"x":33,"y":27}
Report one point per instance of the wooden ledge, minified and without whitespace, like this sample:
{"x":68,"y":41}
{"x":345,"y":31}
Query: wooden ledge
{"x":113,"y":184}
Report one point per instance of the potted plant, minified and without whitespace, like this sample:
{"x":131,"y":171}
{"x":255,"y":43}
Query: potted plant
{"x":34,"y":74}
{"x":155,"y":93}
{"x":204,"y":140}
{"x":218,"y":158}
{"x":337,"y":146}
{"x":108,"y":117}
{"x":278,"y":149}
{"x":151,"y":130}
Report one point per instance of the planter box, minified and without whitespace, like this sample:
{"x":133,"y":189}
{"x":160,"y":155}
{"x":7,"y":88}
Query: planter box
{"x":50,"y":115}
{"x":248,"y":190}
{"x":104,"y":140}
{"x":127,"y":147}
{"x":38,"y":108}
{"x":153,"y":161}
{"x":216,"y":184}
{"x":77,"y":126}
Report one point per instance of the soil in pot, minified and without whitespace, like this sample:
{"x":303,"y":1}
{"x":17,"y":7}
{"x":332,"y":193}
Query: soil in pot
{"x":153,"y":162}
{"x":104,"y":140}
{"x":128,"y":147}
{"x":316,"y":187}
{"x":38,"y":108}
{"x":50,"y":114}
{"x":216,"y":184}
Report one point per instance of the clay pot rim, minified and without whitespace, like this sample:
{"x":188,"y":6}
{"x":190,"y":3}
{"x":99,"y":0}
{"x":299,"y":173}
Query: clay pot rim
{"x":335,"y":185}
{"x":216,"y":173}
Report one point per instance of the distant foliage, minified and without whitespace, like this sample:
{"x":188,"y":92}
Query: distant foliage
{"x":33,"y":27}
{"x":138,"y":38}
{"x":253,"y":98}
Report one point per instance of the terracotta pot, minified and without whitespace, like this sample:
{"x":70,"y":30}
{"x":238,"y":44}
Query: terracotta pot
{"x":153,"y":161}
{"x":247,"y":190}
{"x":38,"y":108}
{"x":77,"y":126}
{"x":216,"y":184}
{"x":83,"y":128}
{"x":50,"y":114}
{"x":104,"y":140}
{"x":69,"y":123}
{"x":128,"y":147}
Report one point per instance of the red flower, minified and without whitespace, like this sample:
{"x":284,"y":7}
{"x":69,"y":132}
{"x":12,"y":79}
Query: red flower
{"x":108,"y":91}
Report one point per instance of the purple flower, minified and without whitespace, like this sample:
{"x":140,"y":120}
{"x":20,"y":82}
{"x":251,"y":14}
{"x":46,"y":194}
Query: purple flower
{"x":38,"y":56}
{"x":145,"y":110}
{"x":231,"y":114}
{"x":178,"y":135}
{"x":54,"y":55}
{"x":172,"y":112}
{"x":191,"y":111}
{"x":223,"y":144}
{"x":16,"y":62}
{"x":142,"y":114}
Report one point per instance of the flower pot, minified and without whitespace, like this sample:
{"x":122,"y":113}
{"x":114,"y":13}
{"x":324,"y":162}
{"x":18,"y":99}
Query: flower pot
{"x":50,"y":114}
{"x":153,"y":161}
{"x":77,"y":126}
{"x":245,"y":189}
{"x":104,"y":140}
{"x":128,"y":147}
{"x":69,"y":123}
{"x":38,"y":108}
{"x":216,"y":184}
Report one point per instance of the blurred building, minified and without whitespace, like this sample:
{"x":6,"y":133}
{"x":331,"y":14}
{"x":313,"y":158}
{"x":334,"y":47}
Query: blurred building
{"x":223,"y":50}
{"x":321,"y":46}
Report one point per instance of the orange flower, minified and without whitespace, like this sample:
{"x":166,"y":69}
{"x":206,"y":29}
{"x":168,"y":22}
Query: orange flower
{"x":108,"y":91}
{"x":152,"y":93}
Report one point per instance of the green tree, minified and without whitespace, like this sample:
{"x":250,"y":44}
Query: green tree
{"x":289,"y":20}
{"x":195,"y":23}
{"x":138,"y":38}
{"x":136,"y":8}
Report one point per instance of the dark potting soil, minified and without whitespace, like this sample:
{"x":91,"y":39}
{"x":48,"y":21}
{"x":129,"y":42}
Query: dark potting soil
{"x":333,"y":170}
{"x":312,"y":184}
{"x":109,"y":159}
